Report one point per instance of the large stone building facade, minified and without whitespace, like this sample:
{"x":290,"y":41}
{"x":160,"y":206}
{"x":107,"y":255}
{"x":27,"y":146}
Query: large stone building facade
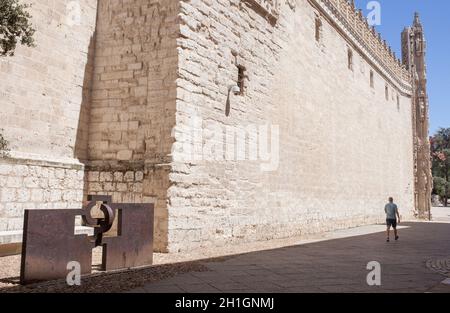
{"x":108,"y":104}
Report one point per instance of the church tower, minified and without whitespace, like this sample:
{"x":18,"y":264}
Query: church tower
{"x":414,"y":52}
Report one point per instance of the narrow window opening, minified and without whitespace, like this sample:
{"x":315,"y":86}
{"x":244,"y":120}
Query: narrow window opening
{"x":398,"y":102}
{"x":372,"y":83}
{"x":318,"y":28}
{"x":386,"y":91}
{"x":350,"y":59}
{"x":241,"y":79}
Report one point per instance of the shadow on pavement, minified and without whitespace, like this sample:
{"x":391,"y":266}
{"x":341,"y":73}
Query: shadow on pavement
{"x":337,"y":265}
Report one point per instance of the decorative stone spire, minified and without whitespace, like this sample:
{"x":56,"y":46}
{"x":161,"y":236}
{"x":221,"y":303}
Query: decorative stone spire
{"x":361,"y":14}
{"x":417,"y":22}
{"x":413,"y":55}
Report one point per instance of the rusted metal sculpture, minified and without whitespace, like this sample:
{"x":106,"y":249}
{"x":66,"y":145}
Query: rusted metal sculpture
{"x":49,"y":243}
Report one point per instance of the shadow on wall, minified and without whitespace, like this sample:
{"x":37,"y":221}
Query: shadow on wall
{"x":81,"y":141}
{"x":127,"y":181}
{"x":82,"y":137}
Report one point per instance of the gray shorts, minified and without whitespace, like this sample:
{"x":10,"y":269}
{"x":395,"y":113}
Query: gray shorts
{"x":391,"y":222}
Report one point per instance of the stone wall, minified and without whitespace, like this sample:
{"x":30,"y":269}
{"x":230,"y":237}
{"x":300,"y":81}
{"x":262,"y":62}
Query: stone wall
{"x":132,"y":111}
{"x":344,"y":147}
{"x":120,"y":107}
{"x":29,"y":184}
{"x":42,"y":87}
{"x":43,"y":96}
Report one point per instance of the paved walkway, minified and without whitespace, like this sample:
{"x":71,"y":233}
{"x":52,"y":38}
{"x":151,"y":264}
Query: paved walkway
{"x":441,"y":214}
{"x":337,"y":265}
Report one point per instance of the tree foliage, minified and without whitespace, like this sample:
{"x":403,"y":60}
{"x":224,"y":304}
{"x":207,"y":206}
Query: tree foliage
{"x":15,"y":26}
{"x":440,"y":153}
{"x":4,"y":146}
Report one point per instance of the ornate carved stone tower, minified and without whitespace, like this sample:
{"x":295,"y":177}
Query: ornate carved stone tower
{"x":414,"y":52}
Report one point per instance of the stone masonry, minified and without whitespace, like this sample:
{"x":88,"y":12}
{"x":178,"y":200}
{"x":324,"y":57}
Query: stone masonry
{"x":43,"y":91}
{"x":103,"y":107}
{"x":132,"y":111}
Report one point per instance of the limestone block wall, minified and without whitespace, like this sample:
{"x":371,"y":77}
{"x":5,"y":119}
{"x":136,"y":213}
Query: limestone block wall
{"x":35,"y":185}
{"x":43,"y":93}
{"x":108,"y":113}
{"x":42,"y":87}
{"x":344,"y":147}
{"x":132,"y":109}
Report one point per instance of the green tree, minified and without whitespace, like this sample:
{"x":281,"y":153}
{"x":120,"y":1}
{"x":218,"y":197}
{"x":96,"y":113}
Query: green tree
{"x":4,"y":146}
{"x":15,"y":26}
{"x":440,"y":153}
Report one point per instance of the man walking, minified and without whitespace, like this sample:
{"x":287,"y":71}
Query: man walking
{"x":392,"y":214}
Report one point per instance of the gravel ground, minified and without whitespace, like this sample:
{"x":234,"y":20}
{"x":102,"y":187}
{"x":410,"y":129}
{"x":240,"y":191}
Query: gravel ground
{"x":111,"y":282}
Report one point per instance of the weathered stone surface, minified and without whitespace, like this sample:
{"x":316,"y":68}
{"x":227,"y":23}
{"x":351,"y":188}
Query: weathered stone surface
{"x":37,"y":191}
{"x":43,"y":92}
{"x":123,"y":102}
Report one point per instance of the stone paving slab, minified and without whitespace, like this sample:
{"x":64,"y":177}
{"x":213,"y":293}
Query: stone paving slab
{"x":337,"y":265}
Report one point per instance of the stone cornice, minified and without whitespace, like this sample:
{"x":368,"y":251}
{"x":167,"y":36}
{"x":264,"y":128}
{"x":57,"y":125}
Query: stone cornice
{"x":17,"y":159}
{"x":352,"y":24}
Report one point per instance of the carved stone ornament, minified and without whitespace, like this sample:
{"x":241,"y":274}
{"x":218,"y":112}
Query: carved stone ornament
{"x":268,"y":8}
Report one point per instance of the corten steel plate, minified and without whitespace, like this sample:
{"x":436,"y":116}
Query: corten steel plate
{"x":99,"y":198}
{"x":133,"y":247}
{"x":49,"y":244}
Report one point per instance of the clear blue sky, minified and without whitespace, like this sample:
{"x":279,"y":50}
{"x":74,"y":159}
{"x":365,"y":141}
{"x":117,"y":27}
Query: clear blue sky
{"x":435,"y":16}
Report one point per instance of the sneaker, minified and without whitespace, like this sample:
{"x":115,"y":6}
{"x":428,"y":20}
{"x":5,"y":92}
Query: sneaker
{"x":387,"y":240}
{"x":396,"y":237}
